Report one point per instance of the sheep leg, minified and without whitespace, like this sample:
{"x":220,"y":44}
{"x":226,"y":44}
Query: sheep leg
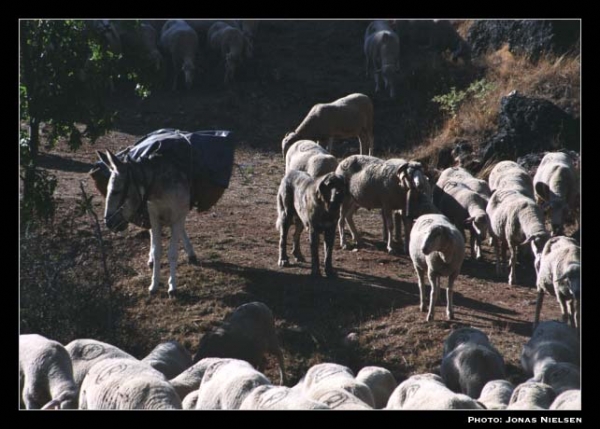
{"x":284,"y":226}
{"x":347,"y":211}
{"x":407,"y":229}
{"x":538,"y":307}
{"x":397,"y":227}
{"x":377,"y":81}
{"x":563,"y":307}
{"x":172,"y":255}
{"x":572,"y":311}
{"x":299,"y":227}
{"x":155,"y":250}
{"x":31,"y":403}
{"x":421,"y":282}
{"x":189,"y":249}
{"x":176,"y":71}
{"x":388,"y":221}
{"x":435,"y":291}
{"x":329,"y":238}
{"x":513,"y":265}
{"x":314,"y":252}
{"x":449,"y":296}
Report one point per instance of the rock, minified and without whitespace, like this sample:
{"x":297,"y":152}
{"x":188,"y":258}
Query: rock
{"x":529,"y":125}
{"x":529,"y":37}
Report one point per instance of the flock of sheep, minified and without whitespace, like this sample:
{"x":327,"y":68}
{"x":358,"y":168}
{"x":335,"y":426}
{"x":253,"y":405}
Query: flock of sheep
{"x":226,"y":374}
{"x":181,"y":42}
{"x":318,"y":193}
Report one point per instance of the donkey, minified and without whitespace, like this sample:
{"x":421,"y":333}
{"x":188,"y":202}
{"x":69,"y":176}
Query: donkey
{"x":158,"y":187}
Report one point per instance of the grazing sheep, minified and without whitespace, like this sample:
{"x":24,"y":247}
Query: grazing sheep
{"x":468,"y":366}
{"x":230,"y":43}
{"x":508,"y":175}
{"x":382,"y":48}
{"x":226,"y":384}
{"x":567,"y":400}
{"x":428,"y":392}
{"x":126,"y":384}
{"x":556,"y":187}
{"x":347,"y":117}
{"x":552,"y":355}
{"x":308,"y":156}
{"x":515,"y":220}
{"x":460,"y":175}
{"x":381,"y":382}
{"x":180,"y":41}
{"x":394,"y":184}
{"x":141,"y":43}
{"x":438,"y":248}
{"x":559,"y":271}
{"x":85,"y":353}
{"x":189,"y":380}
{"x":326,"y":377}
{"x":267,"y":397}
{"x":45,"y":374}
{"x":496,"y":394}
{"x":170,"y":358}
{"x":248,"y":334}
{"x":313,"y":204}
{"x":531,"y":395}
{"x":466,"y":208}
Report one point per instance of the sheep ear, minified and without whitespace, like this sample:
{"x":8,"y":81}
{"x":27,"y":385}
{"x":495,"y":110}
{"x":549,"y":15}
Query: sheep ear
{"x":469,"y":220}
{"x":529,"y":240}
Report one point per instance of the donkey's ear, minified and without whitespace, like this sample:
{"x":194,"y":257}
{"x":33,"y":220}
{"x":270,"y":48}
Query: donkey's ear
{"x":111,"y":160}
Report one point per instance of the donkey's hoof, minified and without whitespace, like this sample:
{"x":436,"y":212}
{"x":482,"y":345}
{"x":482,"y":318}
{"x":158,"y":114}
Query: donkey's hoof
{"x":284,"y":263}
{"x":172,"y":294}
{"x":152,"y":292}
{"x":193,"y":260}
{"x":331,"y":274}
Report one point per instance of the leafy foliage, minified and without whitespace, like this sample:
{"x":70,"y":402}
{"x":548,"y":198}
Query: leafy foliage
{"x":452,"y":101}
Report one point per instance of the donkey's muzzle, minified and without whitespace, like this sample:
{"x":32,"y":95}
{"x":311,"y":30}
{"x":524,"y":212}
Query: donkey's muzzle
{"x":116,"y":223}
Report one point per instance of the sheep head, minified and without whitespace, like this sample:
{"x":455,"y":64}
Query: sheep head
{"x":289,"y":139}
{"x":479,"y":223}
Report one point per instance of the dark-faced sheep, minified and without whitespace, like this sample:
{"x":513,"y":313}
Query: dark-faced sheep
{"x":469,"y":365}
{"x":382,"y":49}
{"x":347,"y":117}
{"x":180,"y":41}
{"x":248,"y":334}
{"x":313,"y":204}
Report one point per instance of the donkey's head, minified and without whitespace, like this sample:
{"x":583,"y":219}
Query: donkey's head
{"x":123,"y":196}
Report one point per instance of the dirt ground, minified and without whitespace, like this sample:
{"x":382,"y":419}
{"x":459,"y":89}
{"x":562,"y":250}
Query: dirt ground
{"x":376,"y":294}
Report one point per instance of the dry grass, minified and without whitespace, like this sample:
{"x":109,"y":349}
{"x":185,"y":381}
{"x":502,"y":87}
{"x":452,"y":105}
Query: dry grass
{"x":556,"y":79}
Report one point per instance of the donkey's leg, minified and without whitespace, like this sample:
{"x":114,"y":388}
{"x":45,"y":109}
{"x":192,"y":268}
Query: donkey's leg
{"x":155,"y":252}
{"x":189,"y":249}
{"x":177,"y":229}
{"x":151,"y":252}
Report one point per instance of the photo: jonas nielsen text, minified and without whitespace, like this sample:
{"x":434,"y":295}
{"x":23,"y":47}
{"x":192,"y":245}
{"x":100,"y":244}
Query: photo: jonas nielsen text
{"x":512,"y":419}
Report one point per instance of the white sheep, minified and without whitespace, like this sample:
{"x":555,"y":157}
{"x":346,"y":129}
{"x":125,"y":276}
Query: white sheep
{"x":469,"y":365}
{"x":567,"y":400}
{"x":267,"y":397}
{"x":126,"y":384}
{"x":170,"y":358}
{"x":339,"y":399}
{"x":347,"y":117}
{"x":531,"y":395}
{"x":227,"y":383}
{"x":248,"y":334}
{"x":552,"y":355}
{"x":382,"y":49}
{"x":308,"y":156}
{"x":230,"y":43}
{"x":374,"y":183}
{"x":45,"y":374}
{"x":515,"y":220}
{"x":180,"y":41}
{"x":428,"y":392}
{"x":326,"y":377}
{"x":312,"y":204}
{"x":85,"y":353}
{"x":190,"y":400}
{"x":460,"y":175}
{"x":438,"y":248}
{"x":496,"y":394}
{"x":556,"y":186}
{"x":381,"y":382}
{"x":466,"y":208}
{"x":559,"y":272}
{"x":189,"y":380}
{"x":508,"y":175}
